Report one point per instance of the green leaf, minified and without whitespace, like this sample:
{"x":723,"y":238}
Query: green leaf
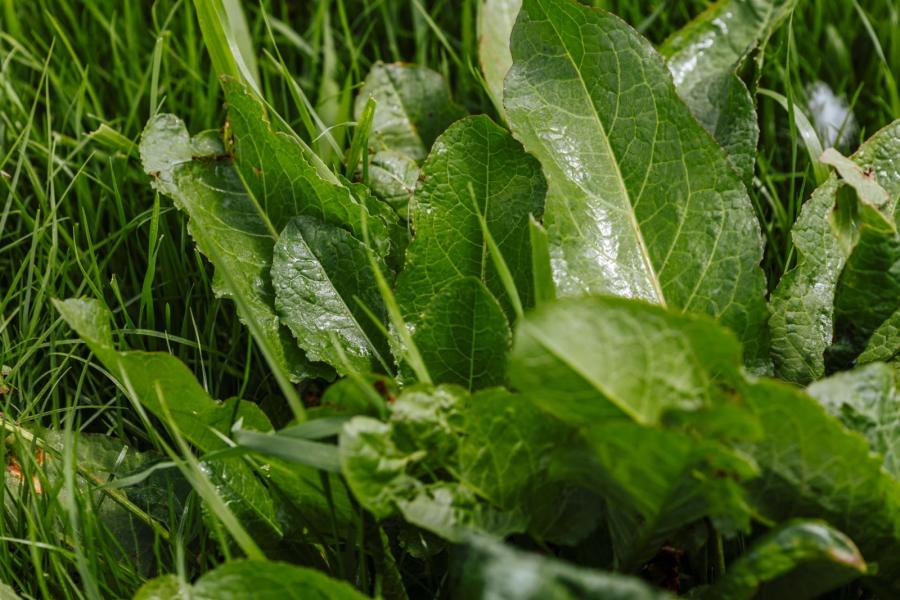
{"x":814,"y":468}
{"x":653,"y":394}
{"x":800,"y":559}
{"x":866,"y":400}
{"x":495,"y":24}
{"x":241,"y":579}
{"x":642,"y":203}
{"x":592,"y":359}
{"x":491,"y":569}
{"x":149,"y":376}
{"x":463,"y":336}
{"x":284,"y":177}
{"x":226,"y":226}
{"x":413,"y":108}
{"x":833,"y":225}
{"x":475,"y":163}
{"x":884,"y":345}
{"x":323,"y":289}
{"x":704,"y":58}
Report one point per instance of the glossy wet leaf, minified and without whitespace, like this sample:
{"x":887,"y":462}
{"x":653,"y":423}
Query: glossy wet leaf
{"x":803,"y":305}
{"x":800,"y":559}
{"x":866,"y":400}
{"x":225,"y":224}
{"x":642,"y":203}
{"x":814,"y":467}
{"x":475,"y":162}
{"x":704,"y":57}
{"x":463,"y":336}
{"x":491,"y":569}
{"x":323,"y":285}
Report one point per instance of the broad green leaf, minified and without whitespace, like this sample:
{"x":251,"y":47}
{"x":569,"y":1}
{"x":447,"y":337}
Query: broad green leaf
{"x":150,"y":376}
{"x":804,"y":303}
{"x":463,"y":335}
{"x":226,"y":225}
{"x":866,"y":400}
{"x":884,"y":345}
{"x":653,"y":393}
{"x":813,"y":467}
{"x":413,"y":108}
{"x":800,"y":559}
{"x":283,"y":177}
{"x":323,"y":290}
{"x":495,"y":24}
{"x":474,"y":163}
{"x":642,"y":202}
{"x":592,"y":359}
{"x":704,"y":58}
{"x":240,"y":579}
{"x":491,"y":569}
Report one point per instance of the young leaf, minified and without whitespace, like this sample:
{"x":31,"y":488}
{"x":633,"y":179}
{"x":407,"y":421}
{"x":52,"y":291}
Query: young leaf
{"x":226,"y":226}
{"x":474,"y":163}
{"x":322,"y":281}
{"x":454,"y":464}
{"x":866,"y":400}
{"x":800,"y":559}
{"x":642,"y":203}
{"x":491,"y":569}
{"x":704,"y":58}
{"x":463,"y":335}
{"x":804,"y":303}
